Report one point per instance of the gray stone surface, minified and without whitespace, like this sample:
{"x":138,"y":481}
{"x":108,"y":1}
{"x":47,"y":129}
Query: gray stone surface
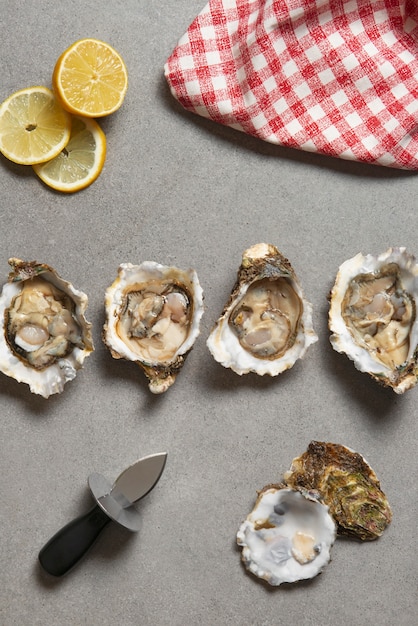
{"x":181,"y":190}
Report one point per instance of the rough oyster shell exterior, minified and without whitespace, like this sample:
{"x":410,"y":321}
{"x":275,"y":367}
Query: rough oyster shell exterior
{"x":266,"y":325}
{"x":44,"y":336}
{"x":287,"y":537}
{"x":141,"y":327}
{"x":373,"y":316}
{"x":346,"y":483}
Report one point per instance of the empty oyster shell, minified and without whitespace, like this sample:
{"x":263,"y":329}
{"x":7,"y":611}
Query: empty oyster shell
{"x":153,"y":314}
{"x":373,"y":316}
{"x":267,"y":323}
{"x":347,"y":484}
{"x":45,"y":336}
{"x":287,"y":536}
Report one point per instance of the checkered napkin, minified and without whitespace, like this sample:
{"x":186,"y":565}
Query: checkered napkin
{"x":338,"y":77}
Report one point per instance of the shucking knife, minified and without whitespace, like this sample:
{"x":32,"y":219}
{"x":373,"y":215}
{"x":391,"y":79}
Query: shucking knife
{"x":115,"y":503}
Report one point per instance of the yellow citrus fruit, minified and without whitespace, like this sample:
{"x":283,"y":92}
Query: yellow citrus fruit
{"x":80,"y":162}
{"x":33,"y":126}
{"x":90,"y":78}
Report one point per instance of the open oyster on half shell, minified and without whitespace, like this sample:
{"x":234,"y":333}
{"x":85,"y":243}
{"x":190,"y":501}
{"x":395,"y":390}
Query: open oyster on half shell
{"x":287,"y":536}
{"x":373,"y":316}
{"x":44,"y":337}
{"x":153,"y":314}
{"x":267,"y":323}
{"x":346,"y":483}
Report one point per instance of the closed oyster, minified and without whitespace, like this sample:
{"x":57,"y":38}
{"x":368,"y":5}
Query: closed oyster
{"x":287,"y":536}
{"x":153,"y":314}
{"x":373,"y":316}
{"x":45,"y":336}
{"x":267,"y":323}
{"x":346,"y":484}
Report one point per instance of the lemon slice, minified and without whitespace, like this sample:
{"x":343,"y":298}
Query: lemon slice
{"x":33,"y":126}
{"x":90,"y":78}
{"x":80,"y":162}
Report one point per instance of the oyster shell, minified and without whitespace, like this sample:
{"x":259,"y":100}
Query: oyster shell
{"x":287,"y":536}
{"x":267,"y":323}
{"x":346,"y":484}
{"x":45,"y":336}
{"x":153,"y":314}
{"x":373,"y":316}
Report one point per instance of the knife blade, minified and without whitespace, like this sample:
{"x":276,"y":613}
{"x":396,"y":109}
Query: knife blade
{"x":113,"y":502}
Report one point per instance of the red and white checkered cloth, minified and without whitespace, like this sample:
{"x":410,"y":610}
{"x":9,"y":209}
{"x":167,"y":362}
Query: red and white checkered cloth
{"x":339,"y":77}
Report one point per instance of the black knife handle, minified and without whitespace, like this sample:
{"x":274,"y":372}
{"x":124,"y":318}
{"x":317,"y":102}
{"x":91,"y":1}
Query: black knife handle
{"x":70,"y":543}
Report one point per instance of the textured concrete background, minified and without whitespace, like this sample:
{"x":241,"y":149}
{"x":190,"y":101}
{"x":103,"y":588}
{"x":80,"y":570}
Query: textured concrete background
{"x":180,"y":190}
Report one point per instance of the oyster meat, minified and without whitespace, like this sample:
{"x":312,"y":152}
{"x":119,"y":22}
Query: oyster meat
{"x":373,"y":316}
{"x":45,"y":337}
{"x":153,"y":314}
{"x":267,"y":323}
{"x":287,"y":536}
{"x":347,"y":484}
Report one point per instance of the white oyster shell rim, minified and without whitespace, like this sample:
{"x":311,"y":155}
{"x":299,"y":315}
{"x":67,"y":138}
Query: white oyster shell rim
{"x":341,"y":338}
{"x":226,"y":349}
{"x":52,"y":379}
{"x":129,"y":273}
{"x":267,"y":551}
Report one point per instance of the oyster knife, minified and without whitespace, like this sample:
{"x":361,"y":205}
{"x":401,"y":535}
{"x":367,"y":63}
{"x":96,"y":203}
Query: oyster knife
{"x":113,"y":502}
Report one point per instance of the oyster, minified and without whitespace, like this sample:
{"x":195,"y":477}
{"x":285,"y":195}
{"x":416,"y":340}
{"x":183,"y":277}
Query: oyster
{"x":346,"y":484}
{"x":267,"y":323}
{"x":153,"y":314}
{"x":373,"y":316}
{"x":287,"y":536}
{"x":45,"y":336}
